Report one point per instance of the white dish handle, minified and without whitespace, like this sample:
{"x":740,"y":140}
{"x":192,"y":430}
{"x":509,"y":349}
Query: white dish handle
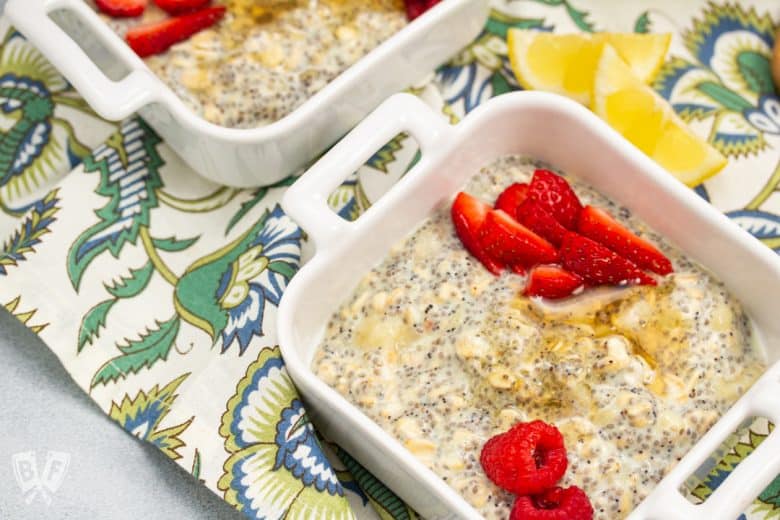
{"x":748,"y":479}
{"x":306,"y":201}
{"x":113,"y":100}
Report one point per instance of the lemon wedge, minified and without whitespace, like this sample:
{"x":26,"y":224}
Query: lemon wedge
{"x":565,"y":63}
{"x":646,"y":119}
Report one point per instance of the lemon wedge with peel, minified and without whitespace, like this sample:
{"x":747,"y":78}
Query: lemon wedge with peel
{"x":643,"y":117}
{"x":565,"y":63}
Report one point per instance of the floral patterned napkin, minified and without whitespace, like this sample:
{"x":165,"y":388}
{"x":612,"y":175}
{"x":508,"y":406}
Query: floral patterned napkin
{"x":158,"y":290}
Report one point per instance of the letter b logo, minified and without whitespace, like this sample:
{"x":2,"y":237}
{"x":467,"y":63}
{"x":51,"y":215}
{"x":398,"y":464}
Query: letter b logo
{"x":26,"y":470}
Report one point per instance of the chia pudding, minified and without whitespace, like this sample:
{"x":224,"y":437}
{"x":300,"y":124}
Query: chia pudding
{"x":264,"y":59}
{"x":443,"y":355}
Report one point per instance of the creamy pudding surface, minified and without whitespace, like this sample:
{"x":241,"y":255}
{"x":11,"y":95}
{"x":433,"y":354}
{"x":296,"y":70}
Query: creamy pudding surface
{"x":443,"y":355}
{"x":262,"y":62}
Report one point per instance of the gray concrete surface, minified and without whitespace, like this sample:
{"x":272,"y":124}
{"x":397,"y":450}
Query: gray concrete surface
{"x":111,"y":475}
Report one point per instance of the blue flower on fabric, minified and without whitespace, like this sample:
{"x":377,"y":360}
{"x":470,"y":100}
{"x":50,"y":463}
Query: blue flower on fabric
{"x":276,"y":468}
{"x":39,"y":143}
{"x":245,"y":304}
{"x":765,"y":117}
{"x":258,"y":275}
{"x":724,"y":77}
{"x":226,"y":293}
{"x":300,"y":452}
{"x":33,"y":99}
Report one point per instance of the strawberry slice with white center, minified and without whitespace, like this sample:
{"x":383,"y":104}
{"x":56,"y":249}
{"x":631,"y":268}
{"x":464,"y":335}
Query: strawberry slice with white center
{"x":551,"y":281}
{"x":121,"y":8}
{"x":506,"y":240}
{"x":158,"y":37}
{"x":535,"y":217}
{"x":598,"y":225}
{"x":556,"y":196}
{"x":468,"y":216}
{"x":511,"y":198}
{"x":598,"y":265}
{"x":180,"y":6}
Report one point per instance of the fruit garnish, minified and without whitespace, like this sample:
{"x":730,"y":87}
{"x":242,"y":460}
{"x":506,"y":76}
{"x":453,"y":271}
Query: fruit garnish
{"x":557,"y":503}
{"x":511,"y":198}
{"x":535,"y":217}
{"x":598,"y":265}
{"x":565,"y":63}
{"x":556,"y":196}
{"x":550,"y":281}
{"x":506,"y":240}
{"x":158,"y":37}
{"x":121,"y":8}
{"x":415,"y":8}
{"x":647,"y":120}
{"x":468,"y":216}
{"x":180,"y":6}
{"x":526,"y":460}
{"x":597,"y":251}
{"x":518,"y":269}
{"x":645,"y":53}
{"x":598,"y":225}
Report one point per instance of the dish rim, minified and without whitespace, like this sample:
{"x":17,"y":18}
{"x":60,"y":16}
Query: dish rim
{"x":148,"y":88}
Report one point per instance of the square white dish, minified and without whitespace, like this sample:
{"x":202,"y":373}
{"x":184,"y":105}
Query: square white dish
{"x":568,"y":136}
{"x":240,"y":157}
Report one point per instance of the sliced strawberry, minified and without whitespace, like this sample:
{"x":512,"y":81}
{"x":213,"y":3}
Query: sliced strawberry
{"x":511,"y":198}
{"x":598,"y":265}
{"x":180,"y":6}
{"x":598,"y":225}
{"x":510,"y":242}
{"x":551,"y":281}
{"x":518,"y":269}
{"x":556,"y":196}
{"x":532,"y":215}
{"x":121,"y":8}
{"x":415,"y":8}
{"x":158,"y":37}
{"x":468,"y":215}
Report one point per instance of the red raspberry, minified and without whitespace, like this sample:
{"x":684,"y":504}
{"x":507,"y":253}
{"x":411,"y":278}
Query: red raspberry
{"x":527,"y":460}
{"x":554,"y":504}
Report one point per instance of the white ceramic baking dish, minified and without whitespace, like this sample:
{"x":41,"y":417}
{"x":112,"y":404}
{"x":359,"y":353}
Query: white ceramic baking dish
{"x":569,"y":137}
{"x":240,"y":157}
